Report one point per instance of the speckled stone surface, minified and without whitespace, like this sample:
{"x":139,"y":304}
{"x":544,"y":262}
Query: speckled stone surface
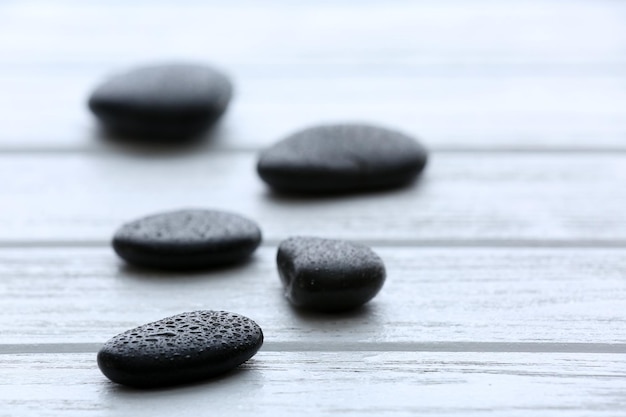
{"x":187,"y":239}
{"x":183,"y":348}
{"x":162,"y":102}
{"x":341,"y":158}
{"x":327,"y":274}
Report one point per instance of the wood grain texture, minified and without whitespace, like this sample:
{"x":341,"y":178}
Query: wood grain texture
{"x":485,"y":112}
{"x":328,"y":384}
{"x":474,"y":318}
{"x":431,"y":295}
{"x":472,"y":198}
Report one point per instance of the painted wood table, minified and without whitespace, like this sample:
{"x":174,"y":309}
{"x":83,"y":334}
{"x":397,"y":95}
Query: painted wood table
{"x":506,"y":289}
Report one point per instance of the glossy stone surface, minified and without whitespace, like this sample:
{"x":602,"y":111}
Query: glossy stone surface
{"x":327,"y":274}
{"x":187,"y":239}
{"x":341,"y":158}
{"x":167,"y":102}
{"x":179,"y":349}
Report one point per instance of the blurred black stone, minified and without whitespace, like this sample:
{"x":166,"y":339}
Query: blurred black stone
{"x":341,"y":158}
{"x":187,"y":239}
{"x":162,"y":103}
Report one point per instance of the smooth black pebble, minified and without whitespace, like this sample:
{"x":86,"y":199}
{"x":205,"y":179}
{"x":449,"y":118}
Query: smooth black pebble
{"x":162,"y":102}
{"x":179,"y":349}
{"x":342,"y":158}
{"x":187,"y":239}
{"x":327,"y":274}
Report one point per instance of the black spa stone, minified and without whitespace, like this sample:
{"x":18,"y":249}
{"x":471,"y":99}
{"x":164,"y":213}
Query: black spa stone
{"x":341,"y":158}
{"x":187,"y":239}
{"x":179,"y":349}
{"x":327,"y":274}
{"x":162,"y":102}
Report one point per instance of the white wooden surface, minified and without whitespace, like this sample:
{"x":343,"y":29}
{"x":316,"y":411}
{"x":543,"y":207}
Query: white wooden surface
{"x":334,"y":383}
{"x":468,"y":198}
{"x":503,"y":110}
{"x":451,"y":296}
{"x":506,"y":288}
{"x":523,"y":74}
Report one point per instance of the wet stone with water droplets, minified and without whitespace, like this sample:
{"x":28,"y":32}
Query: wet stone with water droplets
{"x":167,"y":102}
{"x":327,"y":274}
{"x":341,"y":158}
{"x":179,"y":349}
{"x":187,"y":239}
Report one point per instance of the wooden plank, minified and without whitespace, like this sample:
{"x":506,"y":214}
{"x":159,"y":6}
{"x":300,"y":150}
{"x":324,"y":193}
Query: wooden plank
{"x":476,"y":112}
{"x":458,"y":297}
{"x":462,"y":198}
{"x":384,"y":35}
{"x":531,"y":75}
{"x":327,"y":384}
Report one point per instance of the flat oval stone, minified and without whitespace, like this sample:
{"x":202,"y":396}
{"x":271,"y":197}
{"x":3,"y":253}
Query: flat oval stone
{"x":187,"y":239}
{"x":179,"y":349}
{"x":170,"y":102}
{"x":342,"y":158}
{"x":327,"y":274}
